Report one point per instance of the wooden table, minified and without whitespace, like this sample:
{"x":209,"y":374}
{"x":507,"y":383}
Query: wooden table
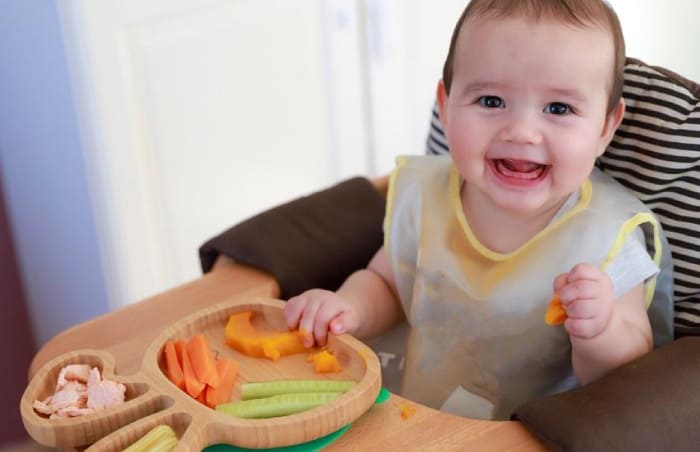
{"x":125,"y":333}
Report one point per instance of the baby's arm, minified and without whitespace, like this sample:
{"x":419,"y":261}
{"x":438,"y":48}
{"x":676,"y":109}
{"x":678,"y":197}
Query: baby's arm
{"x":605,"y":333}
{"x":366,"y":305}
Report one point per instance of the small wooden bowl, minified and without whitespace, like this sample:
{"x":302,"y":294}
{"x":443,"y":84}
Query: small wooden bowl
{"x":151,"y":399}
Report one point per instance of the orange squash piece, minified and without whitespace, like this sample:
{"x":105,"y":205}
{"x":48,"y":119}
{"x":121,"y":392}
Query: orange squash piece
{"x":407,"y":411}
{"x":241,"y":335}
{"x":202,"y":360}
{"x":227,"y":370}
{"x":324,"y":362}
{"x":173,"y":370}
{"x":555,"y":314}
{"x":193,"y":386}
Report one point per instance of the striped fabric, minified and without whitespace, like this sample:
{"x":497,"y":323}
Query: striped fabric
{"x":656,"y":154}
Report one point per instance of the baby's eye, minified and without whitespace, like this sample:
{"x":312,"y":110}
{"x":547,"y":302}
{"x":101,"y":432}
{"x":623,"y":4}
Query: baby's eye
{"x":557,"y":108}
{"x":491,"y":102}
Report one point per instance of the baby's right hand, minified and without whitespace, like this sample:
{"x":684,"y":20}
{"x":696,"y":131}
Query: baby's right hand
{"x":317,"y":311}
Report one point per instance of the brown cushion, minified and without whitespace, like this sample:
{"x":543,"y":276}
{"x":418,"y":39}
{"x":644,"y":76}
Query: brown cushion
{"x":313,"y":241}
{"x":650,"y":404}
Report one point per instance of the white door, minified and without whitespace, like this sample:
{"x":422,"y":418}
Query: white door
{"x":196,"y":114}
{"x":407,"y":44}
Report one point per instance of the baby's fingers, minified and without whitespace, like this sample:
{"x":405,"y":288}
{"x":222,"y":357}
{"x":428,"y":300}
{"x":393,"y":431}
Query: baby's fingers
{"x":584,"y":272}
{"x":345,"y":322}
{"x":308,"y":321}
{"x":582,"y":309}
{"x":578,"y":290}
{"x":584,"y":328}
{"x":293,"y":310}
{"x":323,"y":322}
{"x":559,"y":282}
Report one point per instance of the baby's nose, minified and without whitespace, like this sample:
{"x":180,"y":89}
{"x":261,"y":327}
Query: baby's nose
{"x":521,"y":129}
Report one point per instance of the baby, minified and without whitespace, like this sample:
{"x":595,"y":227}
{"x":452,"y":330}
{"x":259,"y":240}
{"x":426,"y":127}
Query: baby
{"x":476,"y":243}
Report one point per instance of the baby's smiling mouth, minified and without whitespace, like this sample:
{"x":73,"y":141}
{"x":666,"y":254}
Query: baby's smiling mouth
{"x":519,"y":169}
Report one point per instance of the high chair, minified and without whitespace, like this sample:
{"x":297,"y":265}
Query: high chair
{"x":649,"y":404}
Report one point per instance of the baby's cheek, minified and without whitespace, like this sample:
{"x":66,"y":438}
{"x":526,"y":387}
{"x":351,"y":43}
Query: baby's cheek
{"x":567,"y":178}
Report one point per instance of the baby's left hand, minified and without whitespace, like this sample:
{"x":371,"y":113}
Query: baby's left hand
{"x":586,"y":293}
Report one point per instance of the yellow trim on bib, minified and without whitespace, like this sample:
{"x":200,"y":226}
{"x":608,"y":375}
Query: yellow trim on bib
{"x":456,"y":202}
{"x":390,"y":197}
{"x":625,"y":230}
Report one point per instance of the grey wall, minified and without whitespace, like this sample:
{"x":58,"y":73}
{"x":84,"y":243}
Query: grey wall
{"x":46,"y":191}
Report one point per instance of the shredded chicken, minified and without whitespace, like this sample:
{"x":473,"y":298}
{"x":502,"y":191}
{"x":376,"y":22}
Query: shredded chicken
{"x":103,"y":393}
{"x":80,"y":390}
{"x":42,"y":408}
{"x":72,"y":372}
{"x":72,"y":411}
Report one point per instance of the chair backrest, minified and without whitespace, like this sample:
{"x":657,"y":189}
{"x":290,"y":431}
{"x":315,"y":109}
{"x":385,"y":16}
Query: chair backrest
{"x":656,"y":154}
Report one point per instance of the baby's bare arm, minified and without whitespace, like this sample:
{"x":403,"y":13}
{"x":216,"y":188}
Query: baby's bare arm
{"x":373,"y":292}
{"x":365,"y":305}
{"x":627,"y":336}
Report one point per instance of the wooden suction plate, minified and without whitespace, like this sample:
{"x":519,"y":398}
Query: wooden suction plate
{"x":151,"y":399}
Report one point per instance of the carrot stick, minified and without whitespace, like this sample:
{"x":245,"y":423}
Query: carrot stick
{"x":193,"y":386}
{"x":172,"y":367}
{"x":179,"y":347}
{"x":202,"y":397}
{"x":202,"y":360}
{"x":227,"y":370}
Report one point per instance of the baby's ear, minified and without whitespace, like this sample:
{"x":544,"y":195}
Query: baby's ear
{"x":441,"y":96}
{"x":612,"y":122}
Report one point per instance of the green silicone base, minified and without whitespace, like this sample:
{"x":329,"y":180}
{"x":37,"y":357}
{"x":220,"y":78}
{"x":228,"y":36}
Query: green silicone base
{"x":311,"y":446}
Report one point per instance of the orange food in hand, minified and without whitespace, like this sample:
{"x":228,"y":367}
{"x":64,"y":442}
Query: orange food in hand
{"x":555,"y":315}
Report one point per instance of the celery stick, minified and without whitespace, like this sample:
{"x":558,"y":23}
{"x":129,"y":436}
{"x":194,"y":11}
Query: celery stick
{"x":260,"y":389}
{"x":164,"y":445}
{"x":150,"y":439}
{"x":276,"y":405}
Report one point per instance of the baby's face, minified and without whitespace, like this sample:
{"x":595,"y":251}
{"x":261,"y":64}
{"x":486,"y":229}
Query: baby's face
{"x":526,"y":114}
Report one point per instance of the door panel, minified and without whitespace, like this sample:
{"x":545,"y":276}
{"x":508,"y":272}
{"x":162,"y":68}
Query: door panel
{"x":407,"y":44}
{"x":223,"y":150}
{"x":196,"y":115}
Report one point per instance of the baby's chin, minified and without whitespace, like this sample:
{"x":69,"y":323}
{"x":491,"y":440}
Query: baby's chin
{"x":528,"y":203}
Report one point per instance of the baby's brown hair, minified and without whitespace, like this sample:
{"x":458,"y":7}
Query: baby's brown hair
{"x":581,"y":13}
